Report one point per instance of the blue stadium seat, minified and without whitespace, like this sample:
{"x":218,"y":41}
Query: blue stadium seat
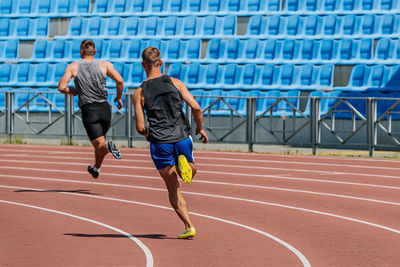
{"x":116,"y":50}
{"x":6,"y":7}
{"x":6,"y":72}
{"x":260,"y":5}
{"x":291,"y":49}
{"x":309,"y":49}
{"x":177,"y":71}
{"x":8,"y":49}
{"x":331,"y":5}
{"x":65,"y":6}
{"x":236,"y":5}
{"x":172,"y":26}
{"x":253,"y":49}
{"x":284,"y":109}
{"x":269,"y":76}
{"x":213,"y":75}
{"x":96,"y":26}
{"x":137,"y":75}
{"x":152,"y":26}
{"x":257,"y":25}
{"x":83,"y":6}
{"x":158,"y":6}
{"x":250,"y":76}
{"x":369,"y":25}
{"x":331,"y":25}
{"x":102,"y":6}
{"x":115,"y":26}
{"x":25,"y":7}
{"x":139,"y":6}
{"x":293,"y":5}
{"x":351,"y":25}
{"x":61,"y":50}
{"x":234,"y":49}
{"x":359,"y":78}
{"x":272,"y":49}
{"x":385,"y":50}
{"x":121,"y":6}
{"x":294,"y":25}
{"x":393,"y":83}
{"x":194,"y":75}
{"x":325,"y":80}
{"x":312,"y":5}
{"x":263,"y":104}
{"x":216,"y":49}
{"x":379,"y":76}
{"x":288,"y":77}
{"x":275,"y":25}
{"x":219,"y":26}
{"x":216,"y":6}
{"x":178,"y":6}
{"x":41,"y":49}
{"x":389,"y":24}
{"x":366,"y":48}
{"x":45,"y":6}
{"x":308,"y":75}
{"x":313,"y":25}
{"x":191,"y":26}
{"x":24,"y":74}
{"x":134,"y":26}
{"x":77,"y":26}
{"x":329,"y":49}
{"x":193,"y":49}
{"x":231,"y":76}
{"x":6,"y":28}
{"x":134,"y":50}
{"x":389,"y":4}
{"x":196,"y":6}
{"x":59,"y":71}
{"x":351,"y":5}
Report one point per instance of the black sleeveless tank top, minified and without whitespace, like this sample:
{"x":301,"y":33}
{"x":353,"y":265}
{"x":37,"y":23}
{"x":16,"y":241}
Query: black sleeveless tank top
{"x":163,"y":104}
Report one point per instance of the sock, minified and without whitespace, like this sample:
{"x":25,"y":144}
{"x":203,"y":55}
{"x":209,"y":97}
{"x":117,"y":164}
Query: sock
{"x":95,"y":169}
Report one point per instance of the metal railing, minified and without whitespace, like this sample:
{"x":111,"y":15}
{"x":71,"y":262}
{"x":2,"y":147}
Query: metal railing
{"x":366,"y":123}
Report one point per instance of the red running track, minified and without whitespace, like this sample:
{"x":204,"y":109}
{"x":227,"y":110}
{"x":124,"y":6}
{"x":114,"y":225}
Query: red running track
{"x":249,"y":210}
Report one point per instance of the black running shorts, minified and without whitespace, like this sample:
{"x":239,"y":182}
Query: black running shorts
{"x":96,"y":118}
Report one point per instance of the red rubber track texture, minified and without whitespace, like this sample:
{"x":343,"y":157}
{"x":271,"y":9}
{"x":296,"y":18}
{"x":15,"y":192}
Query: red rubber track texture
{"x":335,"y":211}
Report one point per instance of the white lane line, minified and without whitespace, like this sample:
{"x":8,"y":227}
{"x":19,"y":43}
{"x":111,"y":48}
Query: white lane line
{"x":206,"y":182}
{"x":145,"y":249}
{"x":218,"y":165}
{"x":147,"y":155}
{"x":147,"y":160}
{"x":302,"y":258}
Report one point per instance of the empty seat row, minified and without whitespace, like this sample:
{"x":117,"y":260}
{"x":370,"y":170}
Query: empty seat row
{"x":341,"y":5}
{"x":378,"y":77}
{"x":117,"y":49}
{"x":237,"y":100}
{"x":316,"y":26}
{"x":252,"y":76}
{"x":33,"y":8}
{"x":341,"y":51}
{"x":24,"y":28}
{"x":182,"y":27}
{"x":184,"y":6}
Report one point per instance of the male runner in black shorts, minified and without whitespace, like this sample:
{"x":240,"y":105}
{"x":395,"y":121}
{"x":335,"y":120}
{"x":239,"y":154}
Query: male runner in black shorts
{"x":171,"y":146}
{"x":90,"y":85}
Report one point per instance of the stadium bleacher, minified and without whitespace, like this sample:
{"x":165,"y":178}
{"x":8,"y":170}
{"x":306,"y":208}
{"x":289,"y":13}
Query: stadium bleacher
{"x":286,"y":46}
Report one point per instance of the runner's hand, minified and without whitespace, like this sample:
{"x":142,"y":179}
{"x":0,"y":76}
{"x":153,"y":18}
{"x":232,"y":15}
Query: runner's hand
{"x":119,"y":101}
{"x":203,"y":134}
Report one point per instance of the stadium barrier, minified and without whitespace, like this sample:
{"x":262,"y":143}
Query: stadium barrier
{"x":315,"y":121}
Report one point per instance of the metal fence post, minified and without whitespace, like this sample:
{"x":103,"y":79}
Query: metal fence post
{"x":129,"y":118}
{"x":251,"y":121}
{"x":68,"y":114}
{"x":371,"y":125}
{"x":315,"y":115}
{"x":9,"y":105}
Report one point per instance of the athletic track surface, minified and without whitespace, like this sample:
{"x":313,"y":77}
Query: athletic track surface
{"x":249,"y":210}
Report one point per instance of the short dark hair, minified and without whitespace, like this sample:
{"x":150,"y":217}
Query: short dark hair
{"x":151,"y":57}
{"x":88,"y":47}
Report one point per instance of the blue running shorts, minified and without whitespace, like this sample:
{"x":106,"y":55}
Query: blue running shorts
{"x":165,"y":155}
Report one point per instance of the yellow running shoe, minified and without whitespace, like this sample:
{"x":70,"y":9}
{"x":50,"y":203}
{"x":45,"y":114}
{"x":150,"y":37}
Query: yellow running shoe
{"x":191,"y":232}
{"x":184,"y":168}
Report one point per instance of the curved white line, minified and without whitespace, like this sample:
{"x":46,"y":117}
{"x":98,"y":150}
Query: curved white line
{"x":301,"y":257}
{"x":242,"y":199}
{"x":208,"y":182}
{"x":145,"y":249}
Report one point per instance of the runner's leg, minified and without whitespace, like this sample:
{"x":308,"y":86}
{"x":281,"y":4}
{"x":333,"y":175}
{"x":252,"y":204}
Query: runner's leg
{"x":100,"y":150}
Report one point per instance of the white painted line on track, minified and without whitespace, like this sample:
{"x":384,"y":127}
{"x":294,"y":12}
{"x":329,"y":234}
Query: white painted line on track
{"x":215,"y":172}
{"x":207,"y":182}
{"x":301,"y":257}
{"x":144,"y":248}
{"x":147,"y":155}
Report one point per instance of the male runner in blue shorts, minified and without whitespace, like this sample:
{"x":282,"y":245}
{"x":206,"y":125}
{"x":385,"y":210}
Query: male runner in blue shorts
{"x":171,"y":146}
{"x":90,"y":85}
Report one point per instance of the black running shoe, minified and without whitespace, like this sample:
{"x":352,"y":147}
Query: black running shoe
{"x":114,"y":150}
{"x":94,"y":173}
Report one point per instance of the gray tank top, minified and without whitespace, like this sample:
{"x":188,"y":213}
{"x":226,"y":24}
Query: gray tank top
{"x":90,"y":83}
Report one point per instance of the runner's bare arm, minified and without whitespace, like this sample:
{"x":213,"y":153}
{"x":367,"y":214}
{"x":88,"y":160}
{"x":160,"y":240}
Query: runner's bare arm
{"x":196,"y":109}
{"x":119,"y":81}
{"x":138,"y":103}
{"x":63,"y":84}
